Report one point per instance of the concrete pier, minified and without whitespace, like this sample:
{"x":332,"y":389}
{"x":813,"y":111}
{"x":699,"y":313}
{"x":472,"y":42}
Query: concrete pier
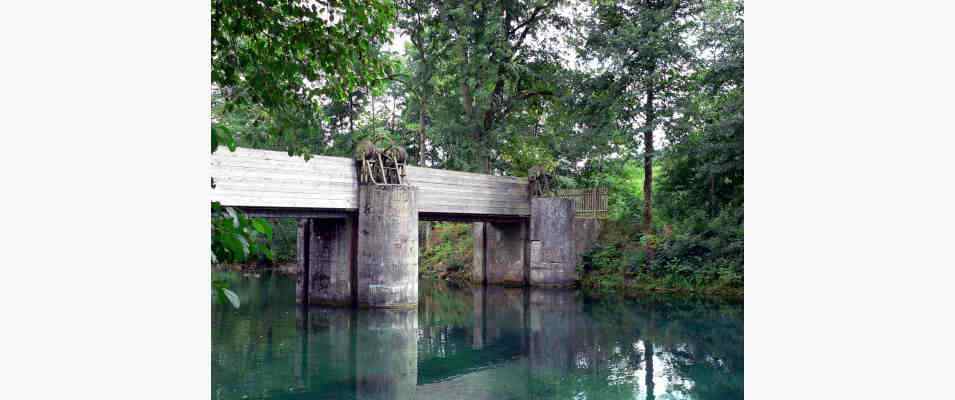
{"x":478,"y":266}
{"x":553,"y":254}
{"x":506,"y":262}
{"x":500,"y":253}
{"x":387,"y":262}
{"x":330,"y":255}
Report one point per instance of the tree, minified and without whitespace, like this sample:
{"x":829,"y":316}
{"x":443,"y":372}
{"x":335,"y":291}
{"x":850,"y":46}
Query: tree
{"x":639,"y":47}
{"x":290,"y":57}
{"x":481,"y":59}
{"x":706,"y":167}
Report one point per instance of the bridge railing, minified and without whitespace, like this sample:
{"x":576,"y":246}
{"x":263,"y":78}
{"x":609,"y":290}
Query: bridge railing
{"x":590,"y":203}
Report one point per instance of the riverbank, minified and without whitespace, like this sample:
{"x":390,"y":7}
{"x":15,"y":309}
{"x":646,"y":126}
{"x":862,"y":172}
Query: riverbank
{"x":637,"y":287}
{"x":286,"y":268}
{"x":614,"y":265}
{"x":595,"y":286}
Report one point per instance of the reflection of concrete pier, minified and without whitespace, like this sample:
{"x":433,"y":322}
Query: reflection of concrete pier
{"x":544,"y":317}
{"x":523,"y":342}
{"x":498,"y":311}
{"x":328,"y":335}
{"x":372,"y":354}
{"x":478,"y":343}
{"x":387,"y":365}
{"x":552,"y":323}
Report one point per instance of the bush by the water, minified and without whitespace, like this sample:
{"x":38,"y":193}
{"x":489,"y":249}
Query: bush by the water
{"x":449,"y":253}
{"x":699,"y":253}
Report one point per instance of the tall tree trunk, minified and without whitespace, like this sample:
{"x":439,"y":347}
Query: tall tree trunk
{"x":648,"y":165}
{"x":713,"y":208}
{"x":351,"y":115}
{"x":421,"y":131}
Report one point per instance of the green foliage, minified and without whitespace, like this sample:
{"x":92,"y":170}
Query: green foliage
{"x":451,"y":251}
{"x":699,"y":254}
{"x":282,"y":60}
{"x":220,"y":289}
{"x":284,"y":242}
{"x":705,"y":164}
{"x":235,"y":237}
{"x":696,"y":242}
{"x":478,"y":77}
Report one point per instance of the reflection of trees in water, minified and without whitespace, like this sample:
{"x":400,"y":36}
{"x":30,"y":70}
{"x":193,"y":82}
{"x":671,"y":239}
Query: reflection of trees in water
{"x":256,"y":334}
{"x":696,"y":346}
{"x":682,"y":347}
{"x":534,"y":343}
{"x":439,"y":304}
{"x":444,"y":316}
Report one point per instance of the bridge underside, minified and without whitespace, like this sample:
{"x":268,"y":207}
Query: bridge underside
{"x":290,"y":212}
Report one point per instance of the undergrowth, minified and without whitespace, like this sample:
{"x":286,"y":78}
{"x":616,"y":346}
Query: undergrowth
{"x":449,"y":253}
{"x":700,"y":255}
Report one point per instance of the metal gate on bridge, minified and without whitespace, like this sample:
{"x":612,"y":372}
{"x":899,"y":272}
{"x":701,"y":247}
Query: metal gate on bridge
{"x":591,"y":203}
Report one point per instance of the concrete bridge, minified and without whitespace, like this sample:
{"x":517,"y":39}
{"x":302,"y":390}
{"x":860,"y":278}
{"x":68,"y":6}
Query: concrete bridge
{"x":358,"y":244}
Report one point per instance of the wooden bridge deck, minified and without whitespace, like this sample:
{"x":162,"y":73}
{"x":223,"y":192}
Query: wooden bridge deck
{"x":271,"y":180}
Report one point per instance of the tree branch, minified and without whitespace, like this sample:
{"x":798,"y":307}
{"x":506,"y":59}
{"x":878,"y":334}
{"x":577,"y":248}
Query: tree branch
{"x":536,"y":13}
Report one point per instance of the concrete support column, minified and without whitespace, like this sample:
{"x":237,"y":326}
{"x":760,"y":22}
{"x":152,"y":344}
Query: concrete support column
{"x":505,"y":261}
{"x":387,"y":263}
{"x":553,"y":255}
{"x":326,"y":244}
{"x":500,"y":253}
{"x":302,"y":259}
{"x":478,"y":266}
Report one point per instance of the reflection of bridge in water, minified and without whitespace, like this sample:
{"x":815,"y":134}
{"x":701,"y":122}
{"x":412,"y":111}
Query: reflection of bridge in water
{"x":519,"y":340}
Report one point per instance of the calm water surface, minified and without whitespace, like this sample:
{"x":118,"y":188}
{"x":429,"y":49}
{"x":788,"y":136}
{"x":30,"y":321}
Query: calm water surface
{"x":482,"y":343}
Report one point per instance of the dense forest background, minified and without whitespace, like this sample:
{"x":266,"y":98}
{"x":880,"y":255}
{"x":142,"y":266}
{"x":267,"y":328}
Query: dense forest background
{"x":644,"y":97}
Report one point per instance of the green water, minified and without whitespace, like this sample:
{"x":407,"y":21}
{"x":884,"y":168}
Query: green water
{"x":488,"y":343}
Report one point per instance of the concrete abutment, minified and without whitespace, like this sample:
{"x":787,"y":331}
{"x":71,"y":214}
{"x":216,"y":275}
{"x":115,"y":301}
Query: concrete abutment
{"x":552,"y":250}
